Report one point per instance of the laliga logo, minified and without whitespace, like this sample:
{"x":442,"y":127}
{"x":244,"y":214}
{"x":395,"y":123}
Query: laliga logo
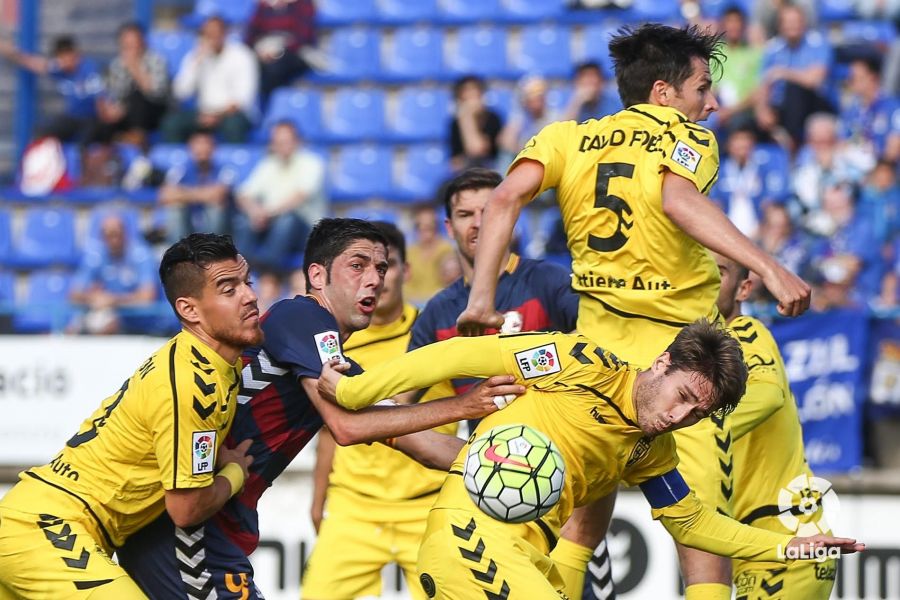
{"x":808,"y":496}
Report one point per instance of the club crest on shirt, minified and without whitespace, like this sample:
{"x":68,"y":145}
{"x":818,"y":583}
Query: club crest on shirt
{"x":328,"y":344}
{"x":537,"y":362}
{"x":204,"y":452}
{"x":686,"y":156}
{"x":640,"y":451}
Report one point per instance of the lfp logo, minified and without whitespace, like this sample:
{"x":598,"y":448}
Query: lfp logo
{"x":329,"y":343}
{"x":806,"y":505}
{"x":543,"y":360}
{"x":203,"y":446}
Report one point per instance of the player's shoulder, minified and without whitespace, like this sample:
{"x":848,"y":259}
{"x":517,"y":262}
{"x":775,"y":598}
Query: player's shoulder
{"x":697,"y":136}
{"x":748,"y":329}
{"x":298,"y":313}
{"x":541,"y":270}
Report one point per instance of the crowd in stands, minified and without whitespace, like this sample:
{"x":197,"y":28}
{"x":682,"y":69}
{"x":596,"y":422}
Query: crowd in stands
{"x":261,"y":125}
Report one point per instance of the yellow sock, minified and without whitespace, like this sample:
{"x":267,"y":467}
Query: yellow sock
{"x":571,"y":561}
{"x":707,"y":591}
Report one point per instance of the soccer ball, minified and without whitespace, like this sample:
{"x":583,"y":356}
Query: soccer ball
{"x":514,"y":473}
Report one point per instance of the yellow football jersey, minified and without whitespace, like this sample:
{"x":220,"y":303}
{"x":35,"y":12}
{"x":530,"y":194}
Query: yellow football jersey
{"x":160,"y":431}
{"x":579,"y":395}
{"x":768,"y":440}
{"x":627,"y":254}
{"x":376,"y":473}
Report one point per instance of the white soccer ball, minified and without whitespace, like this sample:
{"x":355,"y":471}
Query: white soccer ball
{"x":514,"y":473}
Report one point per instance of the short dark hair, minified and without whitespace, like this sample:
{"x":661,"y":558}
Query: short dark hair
{"x":331,"y":236}
{"x":393,"y":236}
{"x":734,"y":9}
{"x":871,"y":61}
{"x":182,"y":267}
{"x":131,"y":26}
{"x":64,"y":43}
{"x":654,"y":52}
{"x":460,"y":83}
{"x":474,"y":178}
{"x":588,"y":65}
{"x":707,"y":349}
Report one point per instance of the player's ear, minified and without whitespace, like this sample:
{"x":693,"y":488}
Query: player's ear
{"x":661,"y":363}
{"x":187,"y":309}
{"x":317,"y":276}
{"x":659,"y":93}
{"x":745,"y":287}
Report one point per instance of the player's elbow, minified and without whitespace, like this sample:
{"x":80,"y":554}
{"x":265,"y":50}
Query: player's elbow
{"x":187,"y":508}
{"x":346,"y":433}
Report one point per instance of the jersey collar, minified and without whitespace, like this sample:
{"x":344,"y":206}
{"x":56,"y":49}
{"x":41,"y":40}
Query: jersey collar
{"x":511,"y":265}
{"x":218,"y":363}
{"x":660,"y":114}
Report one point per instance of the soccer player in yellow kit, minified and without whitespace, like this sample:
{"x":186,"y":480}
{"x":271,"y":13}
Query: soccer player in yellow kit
{"x":768,"y":455}
{"x":631,"y":189}
{"x":611,"y":423}
{"x":152,"y":446}
{"x":377,"y":498}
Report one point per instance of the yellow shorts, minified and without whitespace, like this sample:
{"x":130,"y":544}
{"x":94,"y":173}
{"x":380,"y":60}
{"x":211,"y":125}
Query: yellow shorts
{"x":705,"y":462}
{"x":468,"y":555}
{"x":349,"y":554}
{"x":800,"y":579}
{"x":46,"y":556}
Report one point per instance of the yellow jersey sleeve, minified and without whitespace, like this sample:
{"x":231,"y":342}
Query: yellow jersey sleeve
{"x":659,"y":458}
{"x":765,"y":392}
{"x":548,"y":147}
{"x":696,"y":526}
{"x":692,"y":152}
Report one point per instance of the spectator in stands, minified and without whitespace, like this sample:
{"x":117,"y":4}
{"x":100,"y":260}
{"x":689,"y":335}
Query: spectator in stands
{"x":848,"y":261}
{"x":823,"y":162}
{"x":224,"y":78}
{"x":269,"y":289}
{"x":78,"y":80}
{"x":741,"y":75}
{"x":792,"y":247}
{"x":116,"y":272}
{"x":433,"y":256}
{"x":746,"y":183}
{"x":870,"y":120}
{"x":281,"y":200}
{"x":590,"y":97}
{"x":765,"y":14}
{"x":528,"y":118}
{"x":887,"y":10}
{"x":474,"y":128}
{"x":196,"y":193}
{"x":137,"y":89}
{"x":794,"y":72}
{"x":890,"y":285}
{"x":278,"y":32}
{"x":879,"y":200}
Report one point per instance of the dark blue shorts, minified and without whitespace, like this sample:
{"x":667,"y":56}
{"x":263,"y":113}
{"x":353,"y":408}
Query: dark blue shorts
{"x":169,"y":562}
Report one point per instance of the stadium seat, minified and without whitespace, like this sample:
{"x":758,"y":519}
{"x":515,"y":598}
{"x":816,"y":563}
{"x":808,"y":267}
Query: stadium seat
{"x":867,"y":32}
{"x":7,"y":290}
{"x":373,"y":213}
{"x":558,"y":98}
{"x":595,"y":46}
{"x":835,"y":10}
{"x":401,"y":12}
{"x":172,"y":46}
{"x":47,"y":238}
{"x":415,"y":53}
{"x":361,"y":171}
{"x":500,"y":99}
{"x":529,"y":11}
{"x":237,"y":160}
{"x":424,"y":169}
{"x":5,"y":235}
{"x":356,"y":115}
{"x":166,"y":156}
{"x":469,"y":11}
{"x":652,"y":11}
{"x":333,"y":13}
{"x":420,"y":114}
{"x":235,"y":12}
{"x":713,"y":9}
{"x":46,"y":307}
{"x":543,"y":50}
{"x":302,"y":107}
{"x":130,"y":217}
{"x":478,"y":50}
{"x":353,"y":54}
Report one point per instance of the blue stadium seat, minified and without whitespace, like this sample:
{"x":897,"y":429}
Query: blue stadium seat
{"x":5,"y":235}
{"x":544,"y":50}
{"x":501,"y":100}
{"x":713,"y":9}
{"x":653,"y":10}
{"x":469,"y":11}
{"x":421,"y":114}
{"x":361,"y":171}
{"x":130,"y":217}
{"x":558,"y":98}
{"x":235,"y":12}
{"x":171,"y":45}
{"x":835,"y":10}
{"x":353,"y":53}
{"x":425,"y":168}
{"x":166,"y":156}
{"x":596,"y":46}
{"x":478,"y":50}
{"x":529,"y":11}
{"x":7,"y":290}
{"x":46,"y":307}
{"x":302,"y":107}
{"x":331,"y":13}
{"x":356,"y":115}
{"x":867,"y":32}
{"x":47,"y":238}
{"x":237,"y":160}
{"x":373,"y":213}
{"x":415,"y":53}
{"x":401,"y":12}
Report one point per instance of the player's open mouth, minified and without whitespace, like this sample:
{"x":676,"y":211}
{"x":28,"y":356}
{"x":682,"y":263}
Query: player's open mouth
{"x":367,"y":305}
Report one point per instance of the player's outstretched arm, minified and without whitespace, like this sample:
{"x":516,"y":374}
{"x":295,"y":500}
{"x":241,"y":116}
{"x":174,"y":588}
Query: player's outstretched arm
{"x":382,"y":422}
{"x":497,"y":223}
{"x":430,"y":448}
{"x":321,"y":472}
{"x":700,"y":218}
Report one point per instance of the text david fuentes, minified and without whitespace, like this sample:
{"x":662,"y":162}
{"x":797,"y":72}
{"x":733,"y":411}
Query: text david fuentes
{"x":27,"y":382}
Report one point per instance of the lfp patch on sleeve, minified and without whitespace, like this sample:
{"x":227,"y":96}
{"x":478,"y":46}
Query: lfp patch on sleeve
{"x":328,"y":344}
{"x":537,"y":362}
{"x":686,"y":156}
{"x":204,"y":452}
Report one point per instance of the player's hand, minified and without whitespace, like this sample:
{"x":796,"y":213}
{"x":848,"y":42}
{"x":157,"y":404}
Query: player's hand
{"x":793,"y":294}
{"x":238,"y":455}
{"x":490,"y":395}
{"x":806,"y":546}
{"x":329,"y":377}
{"x":474,"y":321}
